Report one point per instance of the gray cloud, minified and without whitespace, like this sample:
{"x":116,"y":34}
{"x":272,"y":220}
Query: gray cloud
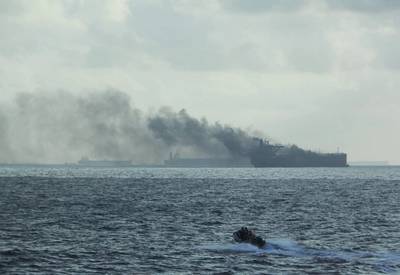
{"x":364,"y":5}
{"x":178,"y":38}
{"x":386,"y":54}
{"x":259,"y":6}
{"x":11,"y":7}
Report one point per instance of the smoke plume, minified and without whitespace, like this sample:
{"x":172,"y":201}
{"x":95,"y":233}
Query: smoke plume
{"x":63,"y":127}
{"x":180,"y":129}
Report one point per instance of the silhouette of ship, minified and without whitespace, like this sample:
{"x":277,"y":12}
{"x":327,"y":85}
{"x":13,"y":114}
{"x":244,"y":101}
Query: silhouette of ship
{"x":269,"y":155}
{"x":264,"y":154}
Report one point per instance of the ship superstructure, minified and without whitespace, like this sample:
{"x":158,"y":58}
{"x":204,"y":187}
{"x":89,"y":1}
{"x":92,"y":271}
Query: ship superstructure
{"x":265,"y":154}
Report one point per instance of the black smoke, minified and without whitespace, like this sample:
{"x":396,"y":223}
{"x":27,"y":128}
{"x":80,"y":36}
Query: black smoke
{"x":177,"y":129}
{"x":44,"y":127}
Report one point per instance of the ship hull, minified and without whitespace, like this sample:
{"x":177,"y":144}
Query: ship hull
{"x":266,"y":155}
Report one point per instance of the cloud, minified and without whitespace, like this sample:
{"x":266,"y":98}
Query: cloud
{"x":259,"y":6}
{"x":370,"y":6}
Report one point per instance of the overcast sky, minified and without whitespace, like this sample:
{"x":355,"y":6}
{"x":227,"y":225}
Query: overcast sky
{"x":321,"y":74}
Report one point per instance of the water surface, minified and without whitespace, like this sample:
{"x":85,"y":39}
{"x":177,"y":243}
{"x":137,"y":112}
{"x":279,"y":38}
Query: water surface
{"x":146,"y":221}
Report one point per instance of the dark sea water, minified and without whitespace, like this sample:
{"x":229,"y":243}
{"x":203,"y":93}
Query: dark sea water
{"x":66,"y":220}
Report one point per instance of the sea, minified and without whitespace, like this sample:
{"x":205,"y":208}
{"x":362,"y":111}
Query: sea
{"x":76,"y":220}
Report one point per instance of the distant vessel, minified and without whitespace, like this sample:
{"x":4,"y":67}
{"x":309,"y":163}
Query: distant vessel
{"x":269,"y":155}
{"x":104,"y":163}
{"x":263,"y":154}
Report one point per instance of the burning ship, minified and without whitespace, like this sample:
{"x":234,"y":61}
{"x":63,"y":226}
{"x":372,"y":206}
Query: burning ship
{"x":269,"y":155}
{"x":230,"y":147}
{"x":263,"y":154}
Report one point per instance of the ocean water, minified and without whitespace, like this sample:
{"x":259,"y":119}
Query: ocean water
{"x":71,"y":220}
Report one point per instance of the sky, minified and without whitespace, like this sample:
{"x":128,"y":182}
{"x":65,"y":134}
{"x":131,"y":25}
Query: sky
{"x":320,"y":74}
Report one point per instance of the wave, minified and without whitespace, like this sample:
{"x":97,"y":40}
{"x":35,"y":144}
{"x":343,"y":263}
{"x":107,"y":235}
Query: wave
{"x":384,"y":261}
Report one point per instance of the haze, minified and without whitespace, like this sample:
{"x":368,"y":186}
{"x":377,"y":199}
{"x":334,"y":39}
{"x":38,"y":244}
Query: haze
{"x":85,"y":77}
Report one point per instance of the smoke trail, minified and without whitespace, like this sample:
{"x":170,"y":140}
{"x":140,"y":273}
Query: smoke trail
{"x":4,"y":149}
{"x":182,"y":129}
{"x":62,"y":127}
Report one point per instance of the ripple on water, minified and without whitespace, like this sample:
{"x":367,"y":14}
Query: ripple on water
{"x":170,"y":223}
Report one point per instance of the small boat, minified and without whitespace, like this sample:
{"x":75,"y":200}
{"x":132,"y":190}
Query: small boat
{"x":244,"y":235}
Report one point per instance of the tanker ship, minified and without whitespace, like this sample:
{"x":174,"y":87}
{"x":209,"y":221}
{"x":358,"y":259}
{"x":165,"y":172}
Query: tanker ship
{"x":263,"y":154}
{"x":269,"y":155}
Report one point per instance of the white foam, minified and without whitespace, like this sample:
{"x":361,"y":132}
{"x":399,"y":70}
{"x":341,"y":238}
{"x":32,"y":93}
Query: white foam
{"x":237,"y":247}
{"x":383,"y":260}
